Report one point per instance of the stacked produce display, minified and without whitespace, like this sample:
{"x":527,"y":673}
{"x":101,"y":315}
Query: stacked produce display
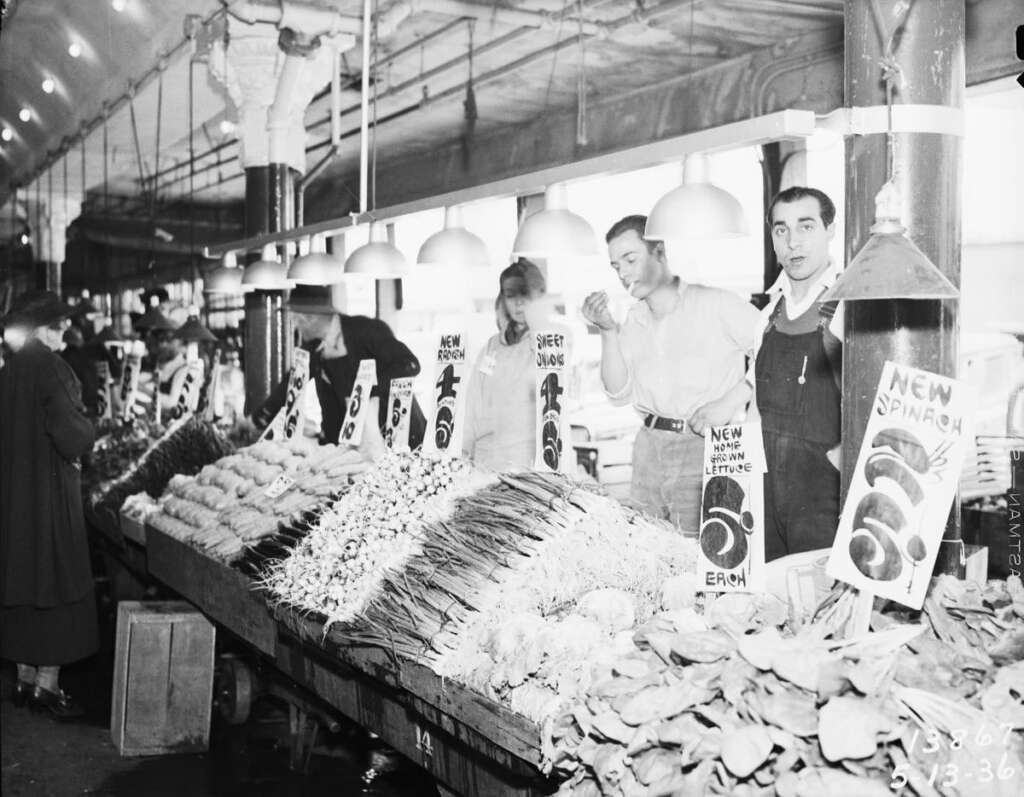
{"x":115,"y":449}
{"x":186,"y":446}
{"x":240,"y":499}
{"x":735,"y":702}
{"x":369,"y":532}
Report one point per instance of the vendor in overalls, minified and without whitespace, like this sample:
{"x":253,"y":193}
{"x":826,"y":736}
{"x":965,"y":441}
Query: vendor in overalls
{"x":797,"y":378}
{"x":679,"y":358}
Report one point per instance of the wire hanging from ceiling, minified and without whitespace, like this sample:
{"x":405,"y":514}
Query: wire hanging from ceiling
{"x":581,"y":83}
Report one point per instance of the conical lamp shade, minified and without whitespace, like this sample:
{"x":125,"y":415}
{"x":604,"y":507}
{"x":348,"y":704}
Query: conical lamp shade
{"x":267,"y":273}
{"x":454,"y":245}
{"x":193,"y":331}
{"x":316,"y":267}
{"x":697,"y":209}
{"x":378,"y":258}
{"x":890,"y":265}
{"x":153,"y":319}
{"x":555,"y":231}
{"x":226,"y":278}
{"x":108,"y":335}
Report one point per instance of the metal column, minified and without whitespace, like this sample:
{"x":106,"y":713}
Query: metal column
{"x":919,"y":333}
{"x":269,"y":207}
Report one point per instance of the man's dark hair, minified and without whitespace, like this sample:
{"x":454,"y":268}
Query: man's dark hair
{"x":637,"y":223}
{"x":798,"y":192}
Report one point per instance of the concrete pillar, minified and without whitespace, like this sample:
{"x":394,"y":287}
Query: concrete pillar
{"x":919,"y":333}
{"x":270,"y":89}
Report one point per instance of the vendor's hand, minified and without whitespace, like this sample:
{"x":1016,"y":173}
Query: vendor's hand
{"x":715,"y":413}
{"x":595,"y":310}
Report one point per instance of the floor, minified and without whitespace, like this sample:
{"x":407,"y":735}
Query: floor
{"x":45,"y":758}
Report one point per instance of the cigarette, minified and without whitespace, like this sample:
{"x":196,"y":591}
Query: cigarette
{"x":631,"y":288}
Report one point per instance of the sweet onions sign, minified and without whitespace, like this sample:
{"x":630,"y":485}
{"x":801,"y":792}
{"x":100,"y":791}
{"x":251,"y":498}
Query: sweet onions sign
{"x":731,"y":539}
{"x":552,"y":352}
{"x":906,"y":476}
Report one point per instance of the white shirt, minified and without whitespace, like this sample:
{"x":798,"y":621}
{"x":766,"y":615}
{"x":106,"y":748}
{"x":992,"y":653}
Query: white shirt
{"x":783,"y":286}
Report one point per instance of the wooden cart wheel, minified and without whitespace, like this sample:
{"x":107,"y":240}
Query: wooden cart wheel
{"x":234,"y":691}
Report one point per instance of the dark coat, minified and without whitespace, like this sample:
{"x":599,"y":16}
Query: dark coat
{"x":365,"y":339}
{"x":44,"y":551}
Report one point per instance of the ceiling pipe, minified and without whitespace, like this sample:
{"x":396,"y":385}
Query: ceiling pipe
{"x":317,"y":20}
{"x":506,"y":15}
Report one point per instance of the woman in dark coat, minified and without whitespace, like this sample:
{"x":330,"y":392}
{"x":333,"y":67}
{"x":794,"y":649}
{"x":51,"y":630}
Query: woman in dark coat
{"x":47,"y":606}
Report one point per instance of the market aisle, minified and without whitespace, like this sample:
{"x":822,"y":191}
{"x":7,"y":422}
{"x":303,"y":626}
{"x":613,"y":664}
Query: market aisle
{"x":45,"y":758}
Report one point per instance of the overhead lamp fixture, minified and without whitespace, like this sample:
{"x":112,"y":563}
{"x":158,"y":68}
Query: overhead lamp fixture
{"x":25,"y":114}
{"x":454,"y":245}
{"x":266,"y":274}
{"x":155,"y":321}
{"x":890,"y":265}
{"x":226,"y":278}
{"x":193,"y":331}
{"x":378,"y":258}
{"x":6,"y":134}
{"x":118,"y":5}
{"x":555,"y":231}
{"x":697,"y":209}
{"x":49,"y":85}
{"x":315,"y":266}
{"x":227,"y":127}
{"x":74,"y":49}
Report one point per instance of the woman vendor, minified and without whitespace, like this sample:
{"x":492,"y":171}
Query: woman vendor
{"x":501,"y":402}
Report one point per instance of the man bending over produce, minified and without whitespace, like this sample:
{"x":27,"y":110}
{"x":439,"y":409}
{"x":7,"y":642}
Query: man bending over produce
{"x":336,"y":343}
{"x":679,"y":358}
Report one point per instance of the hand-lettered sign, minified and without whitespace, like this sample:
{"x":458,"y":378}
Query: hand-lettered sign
{"x":358,"y":404}
{"x":551,"y":349}
{"x":129,"y":392}
{"x":900,"y":493}
{"x":186,"y":386}
{"x":289,"y":418}
{"x":731,"y":539}
{"x":445,"y":431}
{"x":104,"y":400}
{"x":396,"y":434}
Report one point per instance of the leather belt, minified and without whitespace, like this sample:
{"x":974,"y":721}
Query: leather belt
{"x":665,"y":424}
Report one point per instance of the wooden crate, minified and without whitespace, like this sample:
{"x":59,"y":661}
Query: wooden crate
{"x":163,"y":679}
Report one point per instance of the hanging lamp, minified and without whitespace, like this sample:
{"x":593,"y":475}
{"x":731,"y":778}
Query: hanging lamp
{"x":193,"y":331}
{"x":266,"y":274}
{"x":314,"y":266}
{"x":226,"y":278}
{"x":454,"y":245}
{"x":378,"y":258}
{"x":154,"y":320}
{"x":555,"y":231}
{"x":697,"y":209}
{"x":890,"y":265}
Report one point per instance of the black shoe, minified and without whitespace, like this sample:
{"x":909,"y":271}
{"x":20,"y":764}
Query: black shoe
{"x":60,"y":704}
{"x":22,"y":692}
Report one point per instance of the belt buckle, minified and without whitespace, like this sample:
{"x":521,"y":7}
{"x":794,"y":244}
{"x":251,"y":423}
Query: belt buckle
{"x":678,"y":425}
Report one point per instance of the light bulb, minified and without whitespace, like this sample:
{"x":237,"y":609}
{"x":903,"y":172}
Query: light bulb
{"x":74,"y":49}
{"x":49,"y":85}
{"x":24,"y":114}
{"x":118,"y":5}
{"x":24,"y":239}
{"x":6,"y":134}
{"x":227,"y":127}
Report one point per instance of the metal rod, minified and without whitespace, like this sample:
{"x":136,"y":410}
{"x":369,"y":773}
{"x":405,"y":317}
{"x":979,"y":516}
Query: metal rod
{"x":364,"y":99}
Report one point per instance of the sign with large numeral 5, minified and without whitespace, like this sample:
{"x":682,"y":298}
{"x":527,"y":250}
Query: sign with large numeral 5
{"x":900,"y":493}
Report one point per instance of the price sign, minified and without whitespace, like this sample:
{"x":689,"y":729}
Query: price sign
{"x":358,"y":403}
{"x":289,"y":418}
{"x":552,"y":353}
{"x":906,"y":476}
{"x":129,"y":391}
{"x":279,"y":486}
{"x":731,"y":540}
{"x":396,"y":433}
{"x":185,"y":389}
{"x":104,"y":400}
{"x":445,"y":430}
